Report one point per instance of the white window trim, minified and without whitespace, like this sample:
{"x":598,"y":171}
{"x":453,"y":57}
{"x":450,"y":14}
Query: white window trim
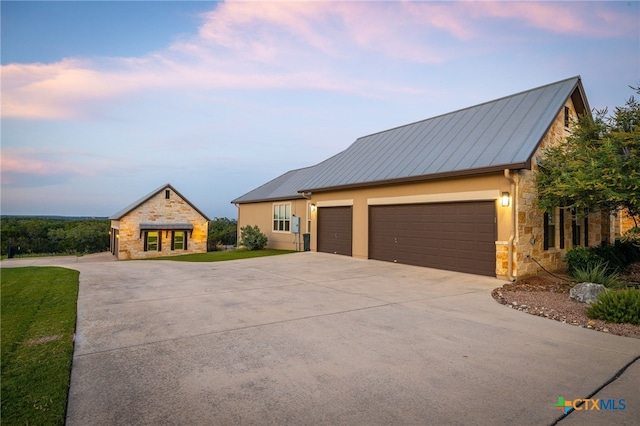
{"x":273,"y":219}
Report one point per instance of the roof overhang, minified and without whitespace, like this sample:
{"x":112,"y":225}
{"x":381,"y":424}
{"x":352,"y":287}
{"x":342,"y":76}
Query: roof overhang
{"x":166,"y":227}
{"x":272,"y":199}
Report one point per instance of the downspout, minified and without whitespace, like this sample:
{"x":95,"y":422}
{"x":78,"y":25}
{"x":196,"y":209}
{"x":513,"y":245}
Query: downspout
{"x":512,"y":235}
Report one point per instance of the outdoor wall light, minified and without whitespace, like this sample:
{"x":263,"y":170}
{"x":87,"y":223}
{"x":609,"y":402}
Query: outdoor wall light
{"x":504,"y":200}
{"x":313,"y":207}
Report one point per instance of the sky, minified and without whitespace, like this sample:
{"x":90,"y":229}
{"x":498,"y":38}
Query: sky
{"x":104,"y":101}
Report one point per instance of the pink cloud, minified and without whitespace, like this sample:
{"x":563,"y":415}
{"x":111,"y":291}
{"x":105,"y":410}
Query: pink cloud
{"x":30,"y":161}
{"x":299,"y":45}
{"x":589,"y":19}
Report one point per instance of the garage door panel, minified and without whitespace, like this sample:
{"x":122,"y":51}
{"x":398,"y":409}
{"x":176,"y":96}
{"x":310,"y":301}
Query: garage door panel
{"x":335,"y":230}
{"x":455,"y":236}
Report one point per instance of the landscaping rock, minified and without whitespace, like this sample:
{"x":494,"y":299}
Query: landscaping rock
{"x":586,"y":292}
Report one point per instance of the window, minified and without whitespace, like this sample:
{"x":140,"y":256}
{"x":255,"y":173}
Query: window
{"x":576,"y":229}
{"x":167,"y":194}
{"x":567,"y":117}
{"x":561,"y":228}
{"x":179,"y":240}
{"x":549,"y":231}
{"x":282,"y":217}
{"x":152,"y":241}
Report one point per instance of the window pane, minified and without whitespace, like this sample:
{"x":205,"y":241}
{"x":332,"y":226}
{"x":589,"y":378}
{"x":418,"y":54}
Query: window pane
{"x":287,"y":211}
{"x":552,"y":235}
{"x":152,"y":241}
{"x":178,"y":240}
{"x":286,"y":225}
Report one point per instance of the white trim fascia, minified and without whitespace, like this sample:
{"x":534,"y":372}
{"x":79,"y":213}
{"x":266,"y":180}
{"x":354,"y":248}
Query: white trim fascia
{"x":335,"y":203}
{"x":488,"y":194}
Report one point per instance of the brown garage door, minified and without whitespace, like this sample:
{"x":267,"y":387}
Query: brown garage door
{"x":334,"y":230}
{"x":454,"y":236}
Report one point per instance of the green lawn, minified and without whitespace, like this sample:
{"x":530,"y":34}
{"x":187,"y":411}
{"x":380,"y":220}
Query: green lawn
{"x":219,"y":256}
{"x":38,"y":322}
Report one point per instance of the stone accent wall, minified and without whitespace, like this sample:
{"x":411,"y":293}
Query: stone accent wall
{"x":159,"y":210}
{"x":620,"y":223}
{"x":529,"y":241}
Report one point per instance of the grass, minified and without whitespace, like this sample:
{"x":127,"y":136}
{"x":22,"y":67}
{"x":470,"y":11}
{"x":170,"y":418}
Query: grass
{"x":220,"y":256}
{"x":38,"y":321}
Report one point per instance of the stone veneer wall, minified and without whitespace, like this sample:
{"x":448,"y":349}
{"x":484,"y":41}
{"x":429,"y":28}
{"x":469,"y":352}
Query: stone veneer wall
{"x":620,"y":223}
{"x":529,"y":240}
{"x":160,"y":210}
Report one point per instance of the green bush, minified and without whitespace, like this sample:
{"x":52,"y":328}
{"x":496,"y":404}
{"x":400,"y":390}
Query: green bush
{"x":615,"y":257}
{"x":252,"y":238}
{"x":617,"y":306}
{"x":581,"y":258}
{"x":598,"y":274}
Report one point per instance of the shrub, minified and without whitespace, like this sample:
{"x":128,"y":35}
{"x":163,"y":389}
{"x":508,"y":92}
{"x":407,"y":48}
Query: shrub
{"x":581,"y":258}
{"x":252,"y":238}
{"x":598,"y":274}
{"x":615,"y":258}
{"x":617,"y":306}
{"x":618,"y":256}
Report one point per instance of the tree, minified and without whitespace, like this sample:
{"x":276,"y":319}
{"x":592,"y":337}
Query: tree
{"x":598,"y":167}
{"x":222,"y":231}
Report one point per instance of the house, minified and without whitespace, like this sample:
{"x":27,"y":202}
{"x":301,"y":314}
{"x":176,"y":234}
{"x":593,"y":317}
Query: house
{"x":456,"y":192}
{"x":162,"y":223}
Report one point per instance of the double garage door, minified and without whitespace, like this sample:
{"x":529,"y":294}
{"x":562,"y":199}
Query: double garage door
{"x":454,"y":236}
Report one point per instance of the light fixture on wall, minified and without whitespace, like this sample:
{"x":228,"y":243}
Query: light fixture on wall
{"x":313,"y":207}
{"x":504,"y":200}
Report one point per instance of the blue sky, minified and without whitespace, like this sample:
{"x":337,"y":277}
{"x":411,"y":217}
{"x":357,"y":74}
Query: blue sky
{"x":103,"y":102}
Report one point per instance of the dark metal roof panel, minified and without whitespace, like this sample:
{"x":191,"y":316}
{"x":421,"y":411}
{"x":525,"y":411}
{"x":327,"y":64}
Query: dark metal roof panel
{"x":500,"y":133}
{"x":285,"y":186}
{"x":504,"y":131}
{"x":166,"y":226}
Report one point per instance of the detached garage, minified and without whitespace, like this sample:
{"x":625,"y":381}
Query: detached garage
{"x":455,"y":236}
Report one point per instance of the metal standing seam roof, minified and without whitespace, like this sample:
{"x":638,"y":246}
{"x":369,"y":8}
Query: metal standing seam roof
{"x":495,"y":135}
{"x":119,"y":215}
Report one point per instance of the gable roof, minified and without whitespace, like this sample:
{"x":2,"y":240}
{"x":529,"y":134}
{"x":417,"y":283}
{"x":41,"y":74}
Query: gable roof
{"x":489,"y":137}
{"x":119,"y":215}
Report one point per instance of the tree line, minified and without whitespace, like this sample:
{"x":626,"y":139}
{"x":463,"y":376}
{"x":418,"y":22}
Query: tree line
{"x":45,"y":235}
{"x":61,"y":235}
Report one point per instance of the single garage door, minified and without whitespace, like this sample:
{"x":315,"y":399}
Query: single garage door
{"x":334,"y":230}
{"x":454,"y":236}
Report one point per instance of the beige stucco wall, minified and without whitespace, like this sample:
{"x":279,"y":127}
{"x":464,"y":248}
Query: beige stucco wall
{"x":261,"y":214}
{"x":487,"y":187}
{"x":159,"y":210}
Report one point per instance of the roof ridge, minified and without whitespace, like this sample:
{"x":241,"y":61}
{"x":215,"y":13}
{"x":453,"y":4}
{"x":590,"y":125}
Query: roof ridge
{"x":471,"y":107}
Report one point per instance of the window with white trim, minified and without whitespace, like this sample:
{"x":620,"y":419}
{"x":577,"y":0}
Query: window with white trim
{"x":282,"y":217}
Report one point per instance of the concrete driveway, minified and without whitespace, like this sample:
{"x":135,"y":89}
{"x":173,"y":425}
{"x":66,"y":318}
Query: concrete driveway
{"x":312,"y":338}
